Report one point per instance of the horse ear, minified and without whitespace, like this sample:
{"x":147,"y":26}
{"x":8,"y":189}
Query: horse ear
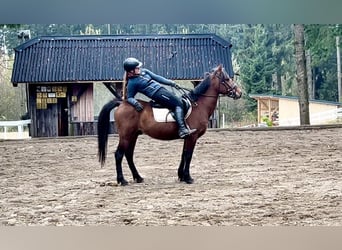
{"x":218,"y":68}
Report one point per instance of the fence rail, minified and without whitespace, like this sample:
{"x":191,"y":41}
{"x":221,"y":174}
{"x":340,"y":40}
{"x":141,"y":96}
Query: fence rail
{"x":19,"y":124}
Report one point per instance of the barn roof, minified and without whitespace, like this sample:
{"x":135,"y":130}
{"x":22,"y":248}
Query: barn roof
{"x":99,"y":58}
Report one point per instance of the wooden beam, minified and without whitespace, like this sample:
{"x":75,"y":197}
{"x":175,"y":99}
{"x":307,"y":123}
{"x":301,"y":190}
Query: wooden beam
{"x":112,"y":89}
{"x":269,"y":108}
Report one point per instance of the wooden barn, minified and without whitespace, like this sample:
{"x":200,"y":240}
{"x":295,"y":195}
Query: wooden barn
{"x":61,"y":72}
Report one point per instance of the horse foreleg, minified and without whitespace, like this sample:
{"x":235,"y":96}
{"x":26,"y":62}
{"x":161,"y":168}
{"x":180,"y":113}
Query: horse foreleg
{"x":184,"y":167}
{"x":181,"y":168}
{"x":119,"y":154}
{"x":185,"y":174}
{"x":129,"y":157}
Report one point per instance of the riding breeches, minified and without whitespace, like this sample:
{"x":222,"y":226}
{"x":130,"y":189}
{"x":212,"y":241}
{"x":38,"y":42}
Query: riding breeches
{"x":167,"y":99}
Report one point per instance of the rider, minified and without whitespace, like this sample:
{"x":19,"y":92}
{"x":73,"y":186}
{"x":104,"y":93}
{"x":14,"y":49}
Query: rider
{"x":148,"y":83}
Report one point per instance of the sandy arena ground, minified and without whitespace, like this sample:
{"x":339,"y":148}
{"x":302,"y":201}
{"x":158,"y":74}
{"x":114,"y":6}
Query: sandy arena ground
{"x":271,"y":177}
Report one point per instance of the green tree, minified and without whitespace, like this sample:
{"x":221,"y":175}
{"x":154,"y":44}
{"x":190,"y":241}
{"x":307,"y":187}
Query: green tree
{"x":12,"y":100}
{"x":321,"y":40}
{"x":265,"y":59}
{"x":255,"y":66}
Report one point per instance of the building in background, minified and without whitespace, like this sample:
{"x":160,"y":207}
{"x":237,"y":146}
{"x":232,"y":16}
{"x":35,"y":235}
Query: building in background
{"x":284,"y":110}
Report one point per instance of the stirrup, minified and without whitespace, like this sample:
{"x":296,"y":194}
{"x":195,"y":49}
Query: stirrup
{"x":184,"y":134}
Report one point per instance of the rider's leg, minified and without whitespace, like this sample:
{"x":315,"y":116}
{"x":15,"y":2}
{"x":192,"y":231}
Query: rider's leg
{"x":172,"y":102}
{"x":183,"y":130}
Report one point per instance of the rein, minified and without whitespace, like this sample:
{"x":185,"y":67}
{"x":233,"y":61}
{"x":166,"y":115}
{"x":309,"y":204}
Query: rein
{"x":230,"y":90}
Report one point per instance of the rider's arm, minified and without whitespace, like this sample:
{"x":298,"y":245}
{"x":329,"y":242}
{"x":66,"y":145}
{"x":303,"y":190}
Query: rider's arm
{"x":131,"y":92}
{"x":134,"y":102}
{"x":160,"y":79}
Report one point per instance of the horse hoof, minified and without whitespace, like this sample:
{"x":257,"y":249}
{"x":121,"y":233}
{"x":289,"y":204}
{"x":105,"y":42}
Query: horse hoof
{"x":123,"y":183}
{"x":187,"y":180}
{"x":139,"y":180}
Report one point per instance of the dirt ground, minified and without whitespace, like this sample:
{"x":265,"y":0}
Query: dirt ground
{"x":285,"y":177}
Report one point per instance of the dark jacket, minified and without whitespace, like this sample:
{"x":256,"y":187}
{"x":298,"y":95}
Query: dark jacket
{"x":147,"y":83}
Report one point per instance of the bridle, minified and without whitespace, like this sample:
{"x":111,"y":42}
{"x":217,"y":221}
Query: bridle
{"x":226,"y":81}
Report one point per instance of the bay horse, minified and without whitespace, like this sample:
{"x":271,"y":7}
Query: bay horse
{"x":131,"y":123}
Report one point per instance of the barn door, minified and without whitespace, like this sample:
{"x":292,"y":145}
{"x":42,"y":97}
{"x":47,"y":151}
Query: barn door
{"x":48,"y":105}
{"x":62,"y":117}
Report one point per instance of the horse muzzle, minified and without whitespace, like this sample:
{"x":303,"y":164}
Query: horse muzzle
{"x":237,"y":96}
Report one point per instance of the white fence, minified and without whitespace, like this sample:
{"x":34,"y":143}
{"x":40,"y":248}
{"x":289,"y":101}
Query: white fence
{"x":19,"y":124}
{"x":316,"y":119}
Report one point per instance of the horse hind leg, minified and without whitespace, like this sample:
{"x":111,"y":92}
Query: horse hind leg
{"x":119,"y":154}
{"x":136,"y":176}
{"x":129,"y":157}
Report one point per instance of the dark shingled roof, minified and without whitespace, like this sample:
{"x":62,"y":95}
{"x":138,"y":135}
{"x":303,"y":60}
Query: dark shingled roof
{"x":99,"y":58}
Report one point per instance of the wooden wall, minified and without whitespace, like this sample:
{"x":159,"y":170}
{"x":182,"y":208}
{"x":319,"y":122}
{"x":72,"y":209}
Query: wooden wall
{"x":48,"y":105}
{"x":82,"y":104}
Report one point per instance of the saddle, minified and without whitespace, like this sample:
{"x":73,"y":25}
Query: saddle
{"x":162,"y":114}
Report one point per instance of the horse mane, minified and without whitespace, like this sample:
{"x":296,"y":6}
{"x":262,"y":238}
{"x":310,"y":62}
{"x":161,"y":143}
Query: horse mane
{"x":201,"y":88}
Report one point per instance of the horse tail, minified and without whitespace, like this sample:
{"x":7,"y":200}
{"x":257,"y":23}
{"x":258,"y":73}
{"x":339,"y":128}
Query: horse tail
{"x":103,"y":128}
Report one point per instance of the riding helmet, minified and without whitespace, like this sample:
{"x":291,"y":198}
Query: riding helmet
{"x":131,"y":63}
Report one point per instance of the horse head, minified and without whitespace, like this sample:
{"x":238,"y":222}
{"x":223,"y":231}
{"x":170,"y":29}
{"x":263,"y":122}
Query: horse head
{"x":227,"y":86}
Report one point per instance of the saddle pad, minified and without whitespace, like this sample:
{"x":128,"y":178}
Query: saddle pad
{"x":164,"y":115}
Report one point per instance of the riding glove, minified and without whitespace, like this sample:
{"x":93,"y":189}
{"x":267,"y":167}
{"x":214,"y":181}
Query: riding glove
{"x":175,"y":85}
{"x":138,"y":106}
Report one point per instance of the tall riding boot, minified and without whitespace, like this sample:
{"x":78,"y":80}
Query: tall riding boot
{"x":183,"y":130}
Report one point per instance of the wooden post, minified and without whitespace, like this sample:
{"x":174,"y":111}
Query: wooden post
{"x":269,"y":108}
{"x":309,"y":75}
{"x":259,"y":111}
{"x":338,"y":69}
{"x":302,"y":80}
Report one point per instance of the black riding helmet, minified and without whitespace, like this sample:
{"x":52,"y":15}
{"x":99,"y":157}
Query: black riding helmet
{"x":131,"y":63}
